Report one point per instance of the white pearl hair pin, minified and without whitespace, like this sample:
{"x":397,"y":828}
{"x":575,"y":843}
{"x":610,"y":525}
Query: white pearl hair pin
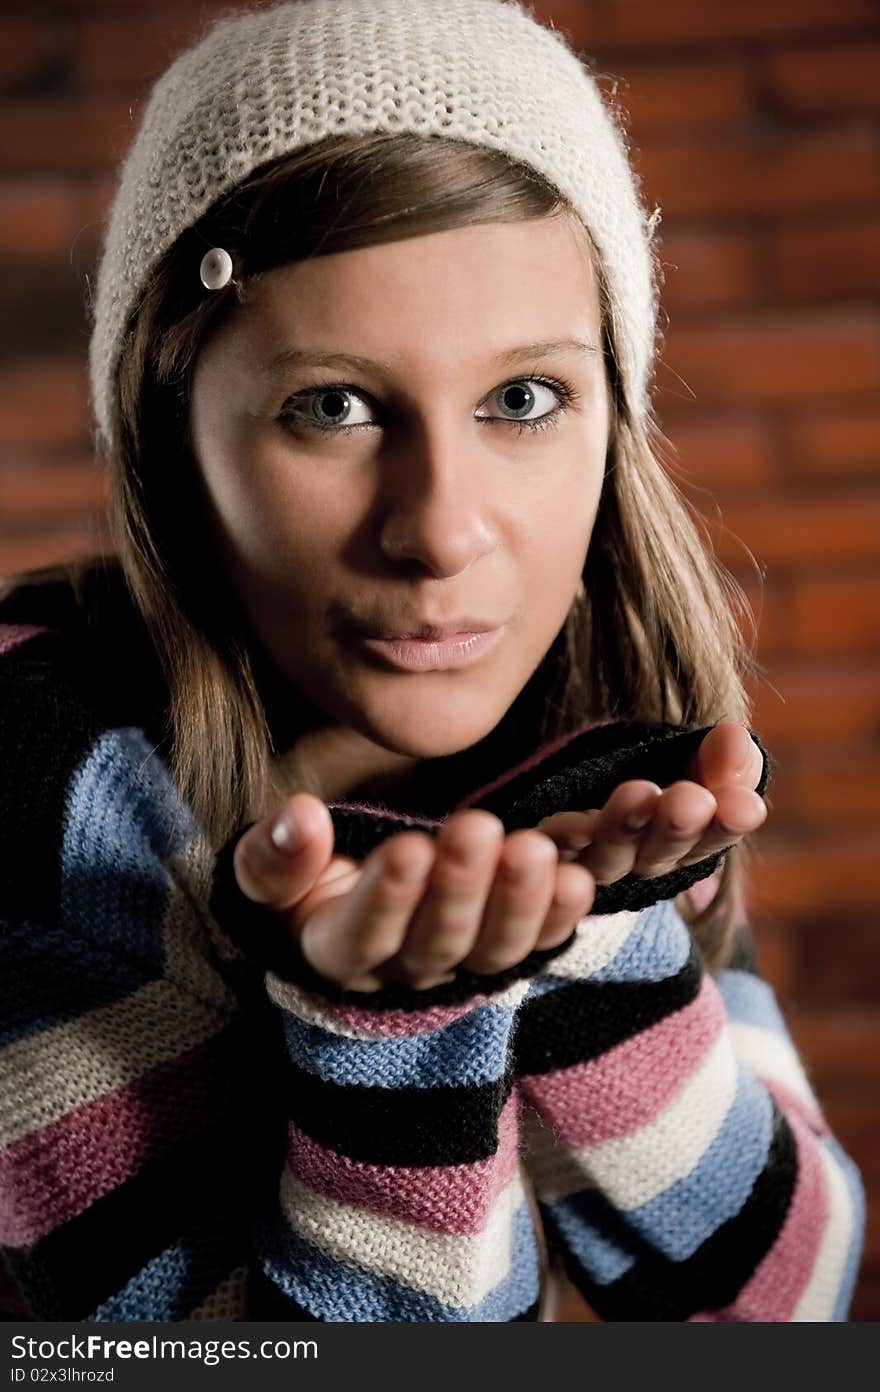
{"x":216,"y":269}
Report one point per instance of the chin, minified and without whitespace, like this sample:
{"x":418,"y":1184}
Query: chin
{"x":429,"y":734}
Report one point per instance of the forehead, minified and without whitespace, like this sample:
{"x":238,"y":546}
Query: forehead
{"x":467,"y":294}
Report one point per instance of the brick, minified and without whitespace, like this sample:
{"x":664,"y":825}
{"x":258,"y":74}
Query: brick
{"x":131,"y":51}
{"x":678,"y":23}
{"x":725,"y":451}
{"x":766,"y":359}
{"x":762,"y":170}
{"x":865,"y":1306}
{"x":828,"y":260}
{"x":47,"y":491}
{"x":47,"y":304}
{"x":835,"y":614}
{"x":816,"y":879}
{"x":834,"y":703}
{"x":37,"y":218}
{"x":769,"y":606}
{"x":841,"y":1047}
{"x":709,"y":269}
{"x":663,"y":96}
{"x":816,"y":81}
{"x":838,"y":958}
{"x":44,"y":404}
{"x":33,"y":54}
{"x":835,"y":443}
{"x":786,"y":531}
{"x":32,"y":552}
{"x":86,"y":135}
{"x":822,"y":787}
{"x":856,"y":1124}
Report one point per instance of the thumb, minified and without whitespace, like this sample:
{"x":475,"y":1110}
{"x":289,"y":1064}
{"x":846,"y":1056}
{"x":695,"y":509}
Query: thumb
{"x":278,"y":859}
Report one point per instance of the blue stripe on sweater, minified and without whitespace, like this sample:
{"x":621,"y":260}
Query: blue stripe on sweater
{"x":749,"y":1000}
{"x":657,"y":948}
{"x":181,"y":1277}
{"x":48,"y":976}
{"x":594,"y":1233}
{"x":471,"y":1049}
{"x":336,"y":1292}
{"x":684,"y":1216}
{"x":114,"y":887}
{"x":124,"y":819}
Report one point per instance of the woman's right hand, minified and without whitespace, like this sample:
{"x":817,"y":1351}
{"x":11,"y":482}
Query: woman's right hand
{"x":418,"y":906}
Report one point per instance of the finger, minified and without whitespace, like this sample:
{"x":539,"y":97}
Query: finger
{"x":573,"y":897}
{"x":737,"y":813}
{"x":276,"y":868}
{"x":447,"y":920}
{"x":727,"y":755}
{"x":570,"y":832}
{"x":520,"y":898}
{"x":619,"y":829}
{"x":348,"y":938}
{"x":683,"y":814}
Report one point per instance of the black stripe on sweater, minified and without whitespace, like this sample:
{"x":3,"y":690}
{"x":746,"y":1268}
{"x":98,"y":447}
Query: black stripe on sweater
{"x":267,"y":1302}
{"x":231,"y":1166}
{"x":656,"y":1288}
{"x":399,"y":1126}
{"x":584,"y":1019}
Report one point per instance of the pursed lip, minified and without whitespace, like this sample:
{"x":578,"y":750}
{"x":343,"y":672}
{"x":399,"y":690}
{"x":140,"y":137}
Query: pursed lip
{"x":429,"y":632}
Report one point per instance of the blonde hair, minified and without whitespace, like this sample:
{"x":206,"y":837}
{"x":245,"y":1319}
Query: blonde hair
{"x":654,"y":634}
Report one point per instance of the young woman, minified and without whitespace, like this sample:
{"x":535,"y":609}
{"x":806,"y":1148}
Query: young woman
{"x":372,"y":888}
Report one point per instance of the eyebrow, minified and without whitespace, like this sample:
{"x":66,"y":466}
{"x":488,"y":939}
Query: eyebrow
{"x":301,"y":357}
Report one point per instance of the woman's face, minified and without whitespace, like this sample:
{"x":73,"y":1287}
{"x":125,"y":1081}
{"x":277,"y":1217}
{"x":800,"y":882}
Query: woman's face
{"x":441,"y":505}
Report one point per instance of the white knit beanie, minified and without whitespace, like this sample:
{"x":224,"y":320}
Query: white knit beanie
{"x":266,"y":82}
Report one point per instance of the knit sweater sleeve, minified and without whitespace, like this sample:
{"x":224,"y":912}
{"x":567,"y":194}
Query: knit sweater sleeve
{"x":133,"y":1135}
{"x":187,"y":1133}
{"x":683,"y":1166}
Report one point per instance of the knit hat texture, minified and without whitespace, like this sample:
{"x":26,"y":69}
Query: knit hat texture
{"x":266,"y":82}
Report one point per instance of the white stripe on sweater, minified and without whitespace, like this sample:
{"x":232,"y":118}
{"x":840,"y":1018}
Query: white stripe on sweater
{"x":598,"y":940}
{"x":770,"y":1056}
{"x":633,"y":1169}
{"x":458,"y":1269}
{"x":46,"y":1075}
{"x":821,"y":1292}
{"x":310,"y":1009}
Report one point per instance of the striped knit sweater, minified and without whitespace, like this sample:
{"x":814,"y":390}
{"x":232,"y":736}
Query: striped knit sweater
{"x":186,"y":1132}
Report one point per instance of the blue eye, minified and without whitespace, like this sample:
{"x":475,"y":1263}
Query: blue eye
{"x":330,"y":399}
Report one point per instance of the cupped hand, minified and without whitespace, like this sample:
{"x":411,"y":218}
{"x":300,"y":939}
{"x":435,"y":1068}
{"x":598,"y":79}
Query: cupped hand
{"x":418,"y":907}
{"x":649,"y":831}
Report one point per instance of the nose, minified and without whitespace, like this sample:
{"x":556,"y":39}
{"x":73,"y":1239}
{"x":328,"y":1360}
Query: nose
{"x":437,"y":505}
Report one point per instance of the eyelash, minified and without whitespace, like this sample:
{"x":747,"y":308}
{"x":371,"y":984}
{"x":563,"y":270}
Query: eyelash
{"x":550,"y":420}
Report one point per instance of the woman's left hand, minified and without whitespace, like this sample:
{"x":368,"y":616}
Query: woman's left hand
{"x":711,"y":810}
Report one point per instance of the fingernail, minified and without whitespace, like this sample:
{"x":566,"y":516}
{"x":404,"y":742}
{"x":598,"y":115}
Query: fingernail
{"x":284,"y":833}
{"x":634,"y":821}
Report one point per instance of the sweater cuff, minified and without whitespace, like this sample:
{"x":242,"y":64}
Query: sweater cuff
{"x":259,"y":934}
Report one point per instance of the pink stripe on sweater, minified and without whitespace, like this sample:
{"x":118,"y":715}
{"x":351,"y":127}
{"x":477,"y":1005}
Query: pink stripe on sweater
{"x":390,"y":1023}
{"x":533,"y":759}
{"x":772,"y":1292}
{"x":795,"y":1102}
{"x":445,"y":1198}
{"x":53,"y":1174}
{"x":627,"y":1087}
{"x":12,"y":635}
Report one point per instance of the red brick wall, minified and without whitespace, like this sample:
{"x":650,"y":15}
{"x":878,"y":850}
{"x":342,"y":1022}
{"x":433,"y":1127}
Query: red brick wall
{"x":756,"y":130}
